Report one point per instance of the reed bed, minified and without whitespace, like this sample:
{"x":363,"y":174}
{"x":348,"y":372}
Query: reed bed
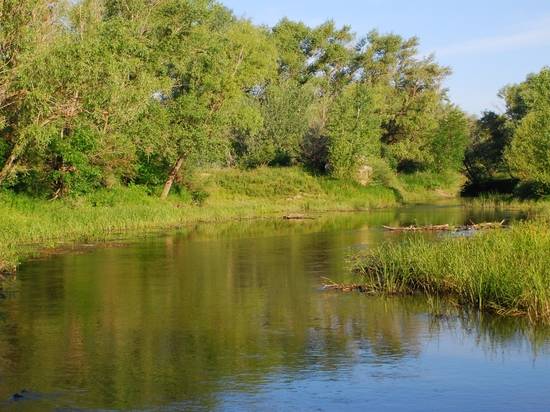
{"x":505,"y":271}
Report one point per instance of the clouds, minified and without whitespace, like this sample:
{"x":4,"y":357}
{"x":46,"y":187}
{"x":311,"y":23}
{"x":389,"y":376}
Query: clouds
{"x":536,"y":34}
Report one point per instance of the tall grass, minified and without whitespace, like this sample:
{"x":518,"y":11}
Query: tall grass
{"x":508,"y":202}
{"x":430,"y":186}
{"x":506,"y":271}
{"x":29,"y":224}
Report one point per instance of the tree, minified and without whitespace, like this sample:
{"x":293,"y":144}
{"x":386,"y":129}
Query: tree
{"x":484,"y":157}
{"x":74,"y":116}
{"x":28,"y":28}
{"x":528,"y":154}
{"x":218,"y":66}
{"x":413,"y":95}
{"x":353,"y":130}
{"x":514,"y":145}
{"x":284,"y":109}
{"x":527,"y":96}
{"x":449,"y":141}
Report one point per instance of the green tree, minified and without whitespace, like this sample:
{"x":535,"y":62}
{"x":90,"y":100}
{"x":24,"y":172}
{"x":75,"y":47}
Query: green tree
{"x":27,"y":28}
{"x":353,"y":130}
{"x":413,"y":95}
{"x":284,"y":109}
{"x":484,"y":158}
{"x":212,"y":62}
{"x":450,"y":140}
{"x":528,"y":154}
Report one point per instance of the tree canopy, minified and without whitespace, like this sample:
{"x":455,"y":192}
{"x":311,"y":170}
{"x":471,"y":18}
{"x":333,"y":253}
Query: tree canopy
{"x":515,"y":144}
{"x":99,"y":93}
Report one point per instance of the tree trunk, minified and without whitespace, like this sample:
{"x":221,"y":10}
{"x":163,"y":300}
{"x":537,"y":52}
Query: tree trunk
{"x":8,"y":166}
{"x":171,"y":177}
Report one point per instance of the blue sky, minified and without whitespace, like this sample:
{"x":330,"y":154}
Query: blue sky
{"x":487,"y":43}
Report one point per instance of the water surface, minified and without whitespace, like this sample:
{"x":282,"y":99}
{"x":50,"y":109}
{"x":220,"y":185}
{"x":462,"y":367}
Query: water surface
{"x":232,"y":317}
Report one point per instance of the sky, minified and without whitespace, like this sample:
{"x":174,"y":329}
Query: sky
{"x":487,"y":43}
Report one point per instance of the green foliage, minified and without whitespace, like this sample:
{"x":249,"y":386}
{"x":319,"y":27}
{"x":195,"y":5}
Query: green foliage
{"x":484,"y":157}
{"x":532,"y":94}
{"x":515,"y":146}
{"x":102,"y":93}
{"x":353,"y":130}
{"x":284,"y":110}
{"x":529,"y":153}
{"x":450,"y":141}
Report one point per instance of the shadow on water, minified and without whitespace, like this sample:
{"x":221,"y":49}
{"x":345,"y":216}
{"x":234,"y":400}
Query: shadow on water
{"x":231,"y":316}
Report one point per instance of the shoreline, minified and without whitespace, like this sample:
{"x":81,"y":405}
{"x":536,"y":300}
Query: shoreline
{"x":29,"y":225}
{"x":20,"y":250}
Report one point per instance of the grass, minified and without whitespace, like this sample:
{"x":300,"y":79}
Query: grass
{"x":28,"y":225}
{"x":508,"y":202}
{"x":506,"y":271}
{"x":284,"y":188}
{"x":429,"y":186}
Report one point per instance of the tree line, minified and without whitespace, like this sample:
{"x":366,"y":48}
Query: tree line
{"x":510,"y":151}
{"x":101,"y":93}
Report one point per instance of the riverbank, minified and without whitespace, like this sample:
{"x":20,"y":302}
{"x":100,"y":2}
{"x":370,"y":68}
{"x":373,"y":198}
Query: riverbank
{"x":505,"y":271}
{"x":29,"y":225}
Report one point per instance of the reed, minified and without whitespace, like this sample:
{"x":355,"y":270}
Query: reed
{"x":506,"y":271}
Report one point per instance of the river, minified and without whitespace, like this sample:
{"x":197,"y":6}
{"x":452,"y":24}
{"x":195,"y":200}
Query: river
{"x":233,"y":317}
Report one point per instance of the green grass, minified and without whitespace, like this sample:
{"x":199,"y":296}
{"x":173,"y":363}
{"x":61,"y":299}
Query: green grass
{"x":506,"y":271}
{"x":508,"y":202}
{"x":429,"y":186}
{"x":28,"y":225}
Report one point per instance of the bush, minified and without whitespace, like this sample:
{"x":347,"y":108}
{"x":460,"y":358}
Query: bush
{"x":529,"y":153}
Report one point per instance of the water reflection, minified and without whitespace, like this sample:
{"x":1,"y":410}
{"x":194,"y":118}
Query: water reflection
{"x":231,"y":316}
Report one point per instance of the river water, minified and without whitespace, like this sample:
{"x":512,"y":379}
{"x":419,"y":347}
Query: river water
{"x":232,"y":317}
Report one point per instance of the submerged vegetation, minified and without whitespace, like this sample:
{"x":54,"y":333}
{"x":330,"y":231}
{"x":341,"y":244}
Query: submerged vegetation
{"x":506,"y":271}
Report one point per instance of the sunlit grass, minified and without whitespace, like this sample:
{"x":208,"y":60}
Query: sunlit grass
{"x":27,"y":224}
{"x":508,"y":202}
{"x":430,"y":186}
{"x":507,"y":271}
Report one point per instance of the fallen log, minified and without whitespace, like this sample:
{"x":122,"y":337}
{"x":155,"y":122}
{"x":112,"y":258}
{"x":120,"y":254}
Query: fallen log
{"x":296,"y":216}
{"x":414,"y":228}
{"x":447,"y":227}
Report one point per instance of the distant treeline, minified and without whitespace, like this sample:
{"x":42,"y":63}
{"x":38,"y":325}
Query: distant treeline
{"x":511,"y":151}
{"x":99,"y":93}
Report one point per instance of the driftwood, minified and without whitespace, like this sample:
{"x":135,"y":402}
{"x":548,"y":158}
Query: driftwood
{"x":441,"y":228}
{"x":296,"y":216}
{"x":414,"y":228}
{"x":342,"y":287}
{"x":482,"y":226}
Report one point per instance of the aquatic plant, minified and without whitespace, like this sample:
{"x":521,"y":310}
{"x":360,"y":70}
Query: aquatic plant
{"x":506,"y":271}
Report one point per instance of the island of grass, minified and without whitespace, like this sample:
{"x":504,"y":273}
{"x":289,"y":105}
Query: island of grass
{"x":505,"y":271}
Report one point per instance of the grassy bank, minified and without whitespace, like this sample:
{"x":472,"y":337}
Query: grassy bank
{"x":28,"y":225}
{"x":506,"y":271}
{"x":507,"y":202}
